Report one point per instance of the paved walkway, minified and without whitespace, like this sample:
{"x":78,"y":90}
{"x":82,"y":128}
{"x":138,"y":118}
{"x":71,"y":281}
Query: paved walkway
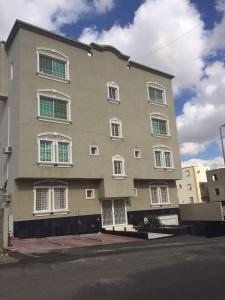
{"x":40,"y":245}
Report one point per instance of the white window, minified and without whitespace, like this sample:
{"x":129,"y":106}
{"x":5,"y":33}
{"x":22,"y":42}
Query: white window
{"x":156,"y":93}
{"x":115,"y":129}
{"x":113,"y":92}
{"x":53,"y":106}
{"x":50,"y":198}
{"x":159,"y":195}
{"x":137,"y":153}
{"x":90,"y":193}
{"x":52,"y":64}
{"x":187,"y":173}
{"x":189,"y":187}
{"x":118,"y":166}
{"x":159,"y":124}
{"x":163,"y":157}
{"x":94,"y":150}
{"x":54,"y":148}
{"x":11,"y":71}
{"x":135,"y":192}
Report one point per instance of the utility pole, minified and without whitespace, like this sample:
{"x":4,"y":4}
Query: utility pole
{"x":221,"y":137}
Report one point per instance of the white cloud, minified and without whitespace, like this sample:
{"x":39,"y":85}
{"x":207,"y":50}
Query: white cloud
{"x":204,"y":114}
{"x":103,"y":5}
{"x":49,"y":14}
{"x":166,"y":35}
{"x":214,"y":163}
{"x":191,"y":148}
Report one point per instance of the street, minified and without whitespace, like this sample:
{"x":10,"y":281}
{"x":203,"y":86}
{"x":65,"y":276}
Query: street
{"x":172,"y":268}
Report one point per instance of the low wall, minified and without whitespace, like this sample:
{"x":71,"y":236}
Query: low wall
{"x":4,"y":212}
{"x":211,"y":211}
{"x":1,"y":226}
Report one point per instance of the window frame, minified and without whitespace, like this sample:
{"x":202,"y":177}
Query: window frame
{"x":51,"y":198}
{"x":97,"y":150}
{"x":162,"y":149}
{"x":159,"y":194}
{"x":122,"y":161}
{"x":135,"y":192}
{"x":156,"y":86}
{"x":162,"y":117}
{"x":118,"y":122}
{"x":52,"y":150}
{"x":139,"y":155}
{"x":58,"y":96}
{"x":57,"y":138}
{"x":57,"y":152}
{"x":53,"y":54}
{"x":115,"y":86}
{"x":93,"y":194}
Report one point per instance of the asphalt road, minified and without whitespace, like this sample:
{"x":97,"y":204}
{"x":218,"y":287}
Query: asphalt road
{"x":173,"y":268}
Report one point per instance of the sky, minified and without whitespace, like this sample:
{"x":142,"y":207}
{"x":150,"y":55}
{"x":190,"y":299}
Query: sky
{"x":185,"y":38}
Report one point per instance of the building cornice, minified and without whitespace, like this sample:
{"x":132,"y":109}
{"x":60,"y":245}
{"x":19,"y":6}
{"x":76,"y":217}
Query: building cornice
{"x":26,"y":26}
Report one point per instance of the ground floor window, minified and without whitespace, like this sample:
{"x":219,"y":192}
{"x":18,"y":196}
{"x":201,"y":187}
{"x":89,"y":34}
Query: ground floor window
{"x":50,"y":199}
{"x":159,"y":195}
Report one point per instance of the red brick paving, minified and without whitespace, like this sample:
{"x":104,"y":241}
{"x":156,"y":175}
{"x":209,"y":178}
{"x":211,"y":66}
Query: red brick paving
{"x":40,"y":245}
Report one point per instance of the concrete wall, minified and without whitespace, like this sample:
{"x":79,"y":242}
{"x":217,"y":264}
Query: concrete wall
{"x":4,"y":213}
{"x":91,"y":112}
{"x":215,"y":179}
{"x":201,"y":212}
{"x":78,"y":204}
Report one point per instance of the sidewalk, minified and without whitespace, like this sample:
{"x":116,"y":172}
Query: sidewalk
{"x":42,"y":245}
{"x":5,"y":258}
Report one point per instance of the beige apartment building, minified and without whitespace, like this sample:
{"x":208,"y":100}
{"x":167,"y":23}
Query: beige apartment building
{"x":88,"y":137}
{"x":189,"y":187}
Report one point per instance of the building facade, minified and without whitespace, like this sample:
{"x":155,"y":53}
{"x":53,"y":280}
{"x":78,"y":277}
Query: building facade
{"x":89,"y":137}
{"x":190,"y":186}
{"x":215,"y":185}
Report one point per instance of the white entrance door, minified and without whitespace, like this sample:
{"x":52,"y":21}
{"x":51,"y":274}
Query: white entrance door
{"x":114,"y":212}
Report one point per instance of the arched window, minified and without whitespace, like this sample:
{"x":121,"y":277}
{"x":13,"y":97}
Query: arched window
{"x":113,"y":92}
{"x":50,"y":197}
{"x":159,"y":194}
{"x":54,"y":148}
{"x":53,"y":106}
{"x":52,"y":64}
{"x":159,"y":124}
{"x":115,"y":129}
{"x":163,"y":157}
{"x":156,"y":93}
{"x":118,"y":166}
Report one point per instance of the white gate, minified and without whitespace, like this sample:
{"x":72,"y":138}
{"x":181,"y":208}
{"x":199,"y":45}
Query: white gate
{"x":114,"y":212}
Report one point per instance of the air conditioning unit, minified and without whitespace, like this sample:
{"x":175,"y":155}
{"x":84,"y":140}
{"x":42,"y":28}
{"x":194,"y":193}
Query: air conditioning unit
{"x":7,"y":150}
{"x":7,"y":197}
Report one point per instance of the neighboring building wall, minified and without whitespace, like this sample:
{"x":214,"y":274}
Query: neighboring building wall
{"x":216,"y":185}
{"x":188,"y":188}
{"x":202,"y":212}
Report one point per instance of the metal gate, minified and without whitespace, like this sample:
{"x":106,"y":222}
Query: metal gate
{"x":114,"y":212}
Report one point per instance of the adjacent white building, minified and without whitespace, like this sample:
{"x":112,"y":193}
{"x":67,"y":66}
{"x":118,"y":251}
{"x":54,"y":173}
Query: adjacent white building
{"x":188,"y":188}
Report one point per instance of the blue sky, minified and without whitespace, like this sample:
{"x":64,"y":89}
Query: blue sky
{"x":181,"y":37}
